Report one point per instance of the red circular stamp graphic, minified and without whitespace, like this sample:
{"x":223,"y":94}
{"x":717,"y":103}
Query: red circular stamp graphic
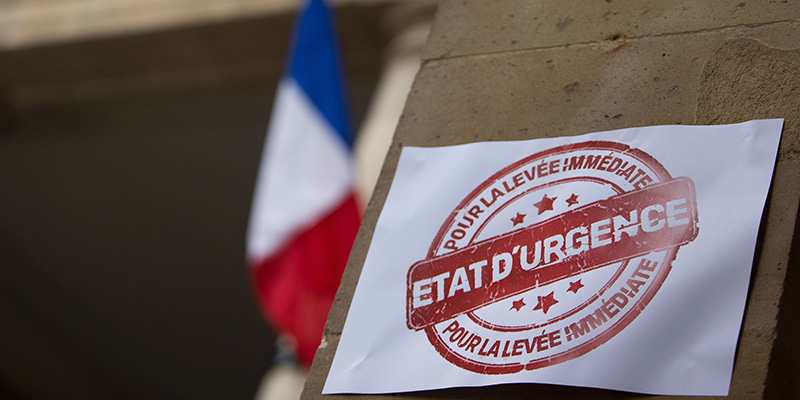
{"x":550,"y":257}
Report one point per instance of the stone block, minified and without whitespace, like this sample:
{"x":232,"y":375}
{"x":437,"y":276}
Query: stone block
{"x":470,"y":27}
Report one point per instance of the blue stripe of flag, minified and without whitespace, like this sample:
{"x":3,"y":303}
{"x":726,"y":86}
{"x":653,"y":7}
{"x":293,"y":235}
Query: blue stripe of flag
{"x":316,"y":66}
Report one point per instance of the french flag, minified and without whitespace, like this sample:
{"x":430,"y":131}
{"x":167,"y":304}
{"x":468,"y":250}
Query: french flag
{"x":304,"y":217}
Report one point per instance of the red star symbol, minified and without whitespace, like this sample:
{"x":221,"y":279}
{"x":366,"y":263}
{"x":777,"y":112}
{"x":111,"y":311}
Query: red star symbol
{"x":545,"y":204}
{"x":572,"y":200}
{"x":520,"y":218}
{"x":575,"y":286}
{"x":517,"y":305}
{"x":545,"y":302}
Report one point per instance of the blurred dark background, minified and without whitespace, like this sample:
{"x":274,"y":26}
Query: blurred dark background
{"x":127,"y":163}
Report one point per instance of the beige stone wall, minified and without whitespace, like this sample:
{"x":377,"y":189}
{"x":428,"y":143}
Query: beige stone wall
{"x":518,"y":69}
{"x":25,"y":23}
{"x":55,"y":52}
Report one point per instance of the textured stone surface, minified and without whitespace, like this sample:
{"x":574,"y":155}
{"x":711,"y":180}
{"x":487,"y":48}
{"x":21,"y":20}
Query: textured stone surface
{"x":470,"y":27}
{"x":671,"y":66}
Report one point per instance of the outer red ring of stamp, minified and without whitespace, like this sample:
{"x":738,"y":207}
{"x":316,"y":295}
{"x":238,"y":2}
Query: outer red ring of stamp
{"x":662,"y":243}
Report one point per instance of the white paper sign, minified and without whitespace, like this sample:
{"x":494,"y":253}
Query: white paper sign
{"x":616,"y":260}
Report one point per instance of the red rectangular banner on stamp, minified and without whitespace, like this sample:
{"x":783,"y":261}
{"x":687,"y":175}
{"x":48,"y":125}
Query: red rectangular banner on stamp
{"x":620,"y":227}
